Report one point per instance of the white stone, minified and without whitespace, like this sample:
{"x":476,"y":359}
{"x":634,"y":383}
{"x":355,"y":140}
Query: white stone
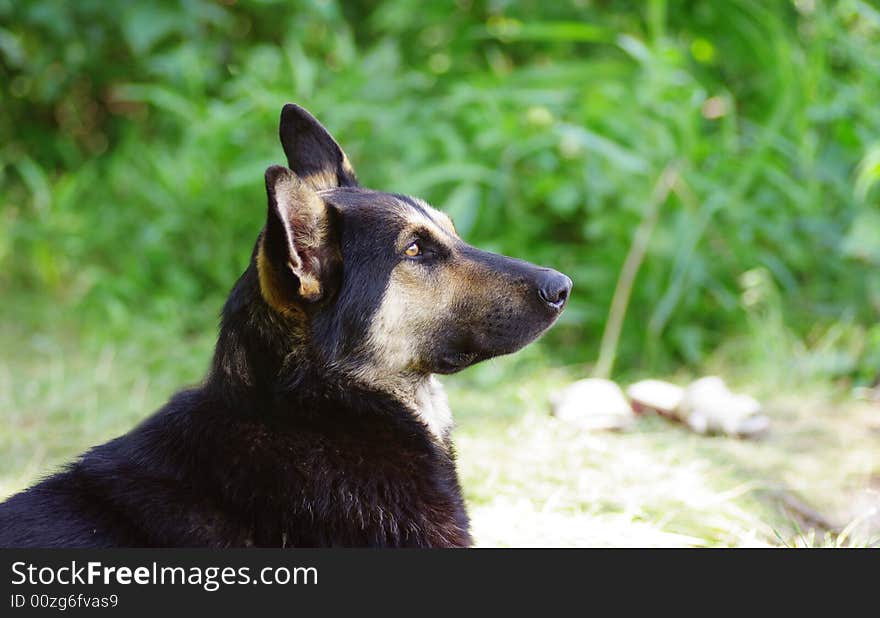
{"x":655,"y":396}
{"x":708,"y":406}
{"x":592,"y":404}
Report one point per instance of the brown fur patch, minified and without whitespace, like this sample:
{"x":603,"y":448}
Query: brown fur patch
{"x":305,"y":219}
{"x":442,"y":219}
{"x":270,"y":287}
{"x":304,"y":210}
{"x":309,"y":287}
{"x":347,"y":167}
{"x":322,"y":179}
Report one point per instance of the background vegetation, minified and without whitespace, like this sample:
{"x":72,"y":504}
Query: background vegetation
{"x":730,"y":149}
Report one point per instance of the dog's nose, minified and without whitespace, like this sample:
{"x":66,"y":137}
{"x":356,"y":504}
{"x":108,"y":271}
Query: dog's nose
{"x":554,"y":289}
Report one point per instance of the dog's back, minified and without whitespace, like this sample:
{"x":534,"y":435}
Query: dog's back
{"x":195,"y":474}
{"x":58,"y":512}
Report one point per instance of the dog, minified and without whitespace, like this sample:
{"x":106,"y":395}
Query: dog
{"x":320,"y":422}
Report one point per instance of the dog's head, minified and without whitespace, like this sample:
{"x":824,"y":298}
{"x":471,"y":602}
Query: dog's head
{"x":382,"y":283}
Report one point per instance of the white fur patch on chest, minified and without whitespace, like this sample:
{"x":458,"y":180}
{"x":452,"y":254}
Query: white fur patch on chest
{"x":432,"y":407}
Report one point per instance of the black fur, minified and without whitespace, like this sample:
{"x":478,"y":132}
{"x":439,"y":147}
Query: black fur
{"x":263,"y":454}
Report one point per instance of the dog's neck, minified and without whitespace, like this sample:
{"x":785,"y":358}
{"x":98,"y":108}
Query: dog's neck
{"x":422,"y":394}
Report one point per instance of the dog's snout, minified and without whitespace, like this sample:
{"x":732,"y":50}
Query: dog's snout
{"x":554,"y":289}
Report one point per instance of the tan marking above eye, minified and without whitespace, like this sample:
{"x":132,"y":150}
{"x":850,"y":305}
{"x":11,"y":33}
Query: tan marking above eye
{"x":450,"y":223}
{"x":413,"y":250}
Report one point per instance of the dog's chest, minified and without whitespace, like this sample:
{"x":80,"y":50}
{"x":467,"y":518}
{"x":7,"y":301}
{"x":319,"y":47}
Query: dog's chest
{"x":379,"y":489}
{"x":432,"y":407}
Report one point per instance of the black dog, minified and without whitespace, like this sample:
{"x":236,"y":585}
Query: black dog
{"x":320,"y":423}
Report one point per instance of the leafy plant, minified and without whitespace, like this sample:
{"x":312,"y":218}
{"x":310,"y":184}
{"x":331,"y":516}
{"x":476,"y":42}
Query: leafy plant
{"x":134,"y":141}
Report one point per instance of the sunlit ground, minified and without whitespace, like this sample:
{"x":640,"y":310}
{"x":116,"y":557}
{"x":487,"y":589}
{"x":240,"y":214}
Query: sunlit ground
{"x":529,"y":479}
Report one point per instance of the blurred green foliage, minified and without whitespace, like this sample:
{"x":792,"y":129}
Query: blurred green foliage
{"x":134,"y":137}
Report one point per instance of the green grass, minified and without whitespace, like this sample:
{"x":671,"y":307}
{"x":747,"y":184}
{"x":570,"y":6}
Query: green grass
{"x":529,"y":479}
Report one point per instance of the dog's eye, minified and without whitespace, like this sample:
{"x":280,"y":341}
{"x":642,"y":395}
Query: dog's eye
{"x":413,"y":250}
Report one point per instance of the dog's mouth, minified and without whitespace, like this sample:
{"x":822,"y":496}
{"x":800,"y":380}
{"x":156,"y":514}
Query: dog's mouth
{"x":499,"y":340}
{"x":456,"y":361}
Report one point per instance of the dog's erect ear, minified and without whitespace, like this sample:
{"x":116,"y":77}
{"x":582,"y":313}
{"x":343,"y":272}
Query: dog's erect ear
{"x":312,"y":152}
{"x":297,"y":253}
